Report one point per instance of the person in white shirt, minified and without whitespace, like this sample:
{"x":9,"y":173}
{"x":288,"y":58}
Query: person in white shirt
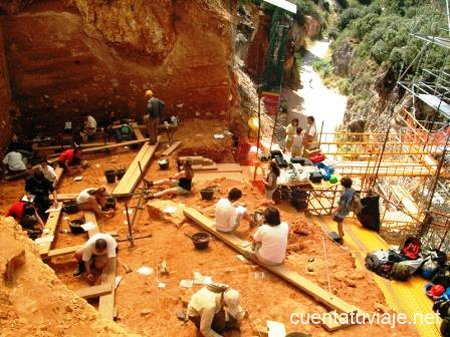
{"x":271,"y":238}
{"x":93,"y":199}
{"x":228,"y":215}
{"x":89,"y":126}
{"x":97,"y":255}
{"x":215,"y":309}
{"x":49,"y":171}
{"x":14,"y":161}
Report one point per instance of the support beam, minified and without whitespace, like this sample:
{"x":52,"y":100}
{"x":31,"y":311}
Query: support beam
{"x":298,"y":281}
{"x":107,"y":147}
{"x":95,"y":291}
{"x":48,"y":234}
{"x":63,"y":251}
{"x":172,"y":148}
{"x":90,"y":217}
{"x":131,"y":178}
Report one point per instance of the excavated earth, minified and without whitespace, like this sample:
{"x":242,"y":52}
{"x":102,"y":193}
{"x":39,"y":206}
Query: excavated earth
{"x":36,"y":299}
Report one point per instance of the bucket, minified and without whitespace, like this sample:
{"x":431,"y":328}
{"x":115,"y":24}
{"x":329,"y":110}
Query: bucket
{"x":163,"y":164}
{"x":120,"y":173}
{"x":110,"y":176}
{"x":201,"y":240}
{"x":75,"y":226}
{"x":207,"y":193}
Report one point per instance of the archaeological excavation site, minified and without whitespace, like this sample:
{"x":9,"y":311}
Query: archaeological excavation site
{"x":254,"y":168}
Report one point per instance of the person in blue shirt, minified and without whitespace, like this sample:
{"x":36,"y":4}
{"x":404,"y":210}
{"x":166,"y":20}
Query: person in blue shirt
{"x":345,"y":200}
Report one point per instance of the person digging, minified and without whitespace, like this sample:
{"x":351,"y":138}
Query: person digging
{"x":96,"y":257}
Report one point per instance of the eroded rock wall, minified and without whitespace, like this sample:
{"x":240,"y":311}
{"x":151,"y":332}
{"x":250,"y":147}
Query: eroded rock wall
{"x":5,"y":101}
{"x":34,"y":302}
{"x":98,"y":55}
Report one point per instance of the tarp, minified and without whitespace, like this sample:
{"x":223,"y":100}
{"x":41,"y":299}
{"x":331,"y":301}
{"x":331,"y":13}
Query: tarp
{"x":370,"y":213}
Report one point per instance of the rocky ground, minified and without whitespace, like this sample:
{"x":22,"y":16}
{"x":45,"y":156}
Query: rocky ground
{"x":37,"y":301}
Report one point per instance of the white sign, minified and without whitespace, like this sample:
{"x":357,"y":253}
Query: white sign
{"x":289,"y":6}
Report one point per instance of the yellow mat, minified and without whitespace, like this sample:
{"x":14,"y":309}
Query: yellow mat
{"x":405,"y":297}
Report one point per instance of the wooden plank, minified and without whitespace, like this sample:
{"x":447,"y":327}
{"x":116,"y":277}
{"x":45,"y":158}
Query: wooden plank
{"x":49,"y":231}
{"x":65,"y":196}
{"x":131,"y":178}
{"x":95,"y":291}
{"x":312,"y":289}
{"x":63,"y":251}
{"x":138,"y":133}
{"x":68,"y":146}
{"x":106,"y":302}
{"x":90,"y":217}
{"x":229,"y":167}
{"x":172,"y":148}
{"x":115,"y":145}
{"x":59,"y":173}
{"x":275,"y":329}
{"x":205,"y":168}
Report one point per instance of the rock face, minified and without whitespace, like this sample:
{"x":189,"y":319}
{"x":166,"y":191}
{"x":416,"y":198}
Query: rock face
{"x":342,"y":58}
{"x":5,"y":100}
{"x":100,"y":55}
{"x":34,"y":302}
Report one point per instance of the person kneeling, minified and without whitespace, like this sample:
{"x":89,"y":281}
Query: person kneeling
{"x":228,"y":216}
{"x":93,"y":199}
{"x":271,"y":238}
{"x":96,"y":256}
{"x":215,"y":309}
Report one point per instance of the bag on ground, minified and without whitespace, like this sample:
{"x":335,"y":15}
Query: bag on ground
{"x":411,"y":248}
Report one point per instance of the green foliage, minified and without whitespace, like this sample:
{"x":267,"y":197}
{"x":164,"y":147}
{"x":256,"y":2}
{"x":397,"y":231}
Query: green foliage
{"x":324,"y":67}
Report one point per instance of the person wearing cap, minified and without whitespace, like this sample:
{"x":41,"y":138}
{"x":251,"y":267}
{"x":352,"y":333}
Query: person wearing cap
{"x":271,"y":238}
{"x":181,"y":182}
{"x":215,"y":309}
{"x":155,"y":109}
{"x":96,"y":256}
{"x":229,"y":215}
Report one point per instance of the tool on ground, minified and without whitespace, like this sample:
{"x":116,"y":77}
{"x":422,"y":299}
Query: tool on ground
{"x":163,"y":269}
{"x":127,"y":269}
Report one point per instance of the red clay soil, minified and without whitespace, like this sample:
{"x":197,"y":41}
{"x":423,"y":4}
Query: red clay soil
{"x":39,"y":304}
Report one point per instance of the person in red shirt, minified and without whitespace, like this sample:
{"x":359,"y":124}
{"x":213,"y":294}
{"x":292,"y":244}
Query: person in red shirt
{"x":25,"y":214}
{"x":70,"y":157}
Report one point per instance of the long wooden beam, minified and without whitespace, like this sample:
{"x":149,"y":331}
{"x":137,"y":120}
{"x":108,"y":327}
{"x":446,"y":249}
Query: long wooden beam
{"x":172,"y":148}
{"x":63,"y":251}
{"x":312,"y":289}
{"x":107,"y":147}
{"x":48,"y":234}
{"x":95,"y":291}
{"x":131,"y":178}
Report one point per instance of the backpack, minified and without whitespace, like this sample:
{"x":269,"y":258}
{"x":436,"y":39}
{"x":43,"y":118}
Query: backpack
{"x":125,"y":131}
{"x":411,"y":248}
{"x":445,"y":327}
{"x":402,"y":271}
{"x":442,"y":306}
{"x":355,"y":205}
{"x":375,"y":261}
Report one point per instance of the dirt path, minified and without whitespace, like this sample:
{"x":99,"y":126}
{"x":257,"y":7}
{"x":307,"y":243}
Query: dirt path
{"x":313,"y":98}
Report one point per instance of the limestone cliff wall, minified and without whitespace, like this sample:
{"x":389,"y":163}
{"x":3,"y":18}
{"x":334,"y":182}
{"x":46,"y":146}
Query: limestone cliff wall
{"x":97,"y":55}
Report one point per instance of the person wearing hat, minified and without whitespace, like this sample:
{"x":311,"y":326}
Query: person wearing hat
{"x":181,"y":182}
{"x":215,"y":309}
{"x":155,"y":109}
